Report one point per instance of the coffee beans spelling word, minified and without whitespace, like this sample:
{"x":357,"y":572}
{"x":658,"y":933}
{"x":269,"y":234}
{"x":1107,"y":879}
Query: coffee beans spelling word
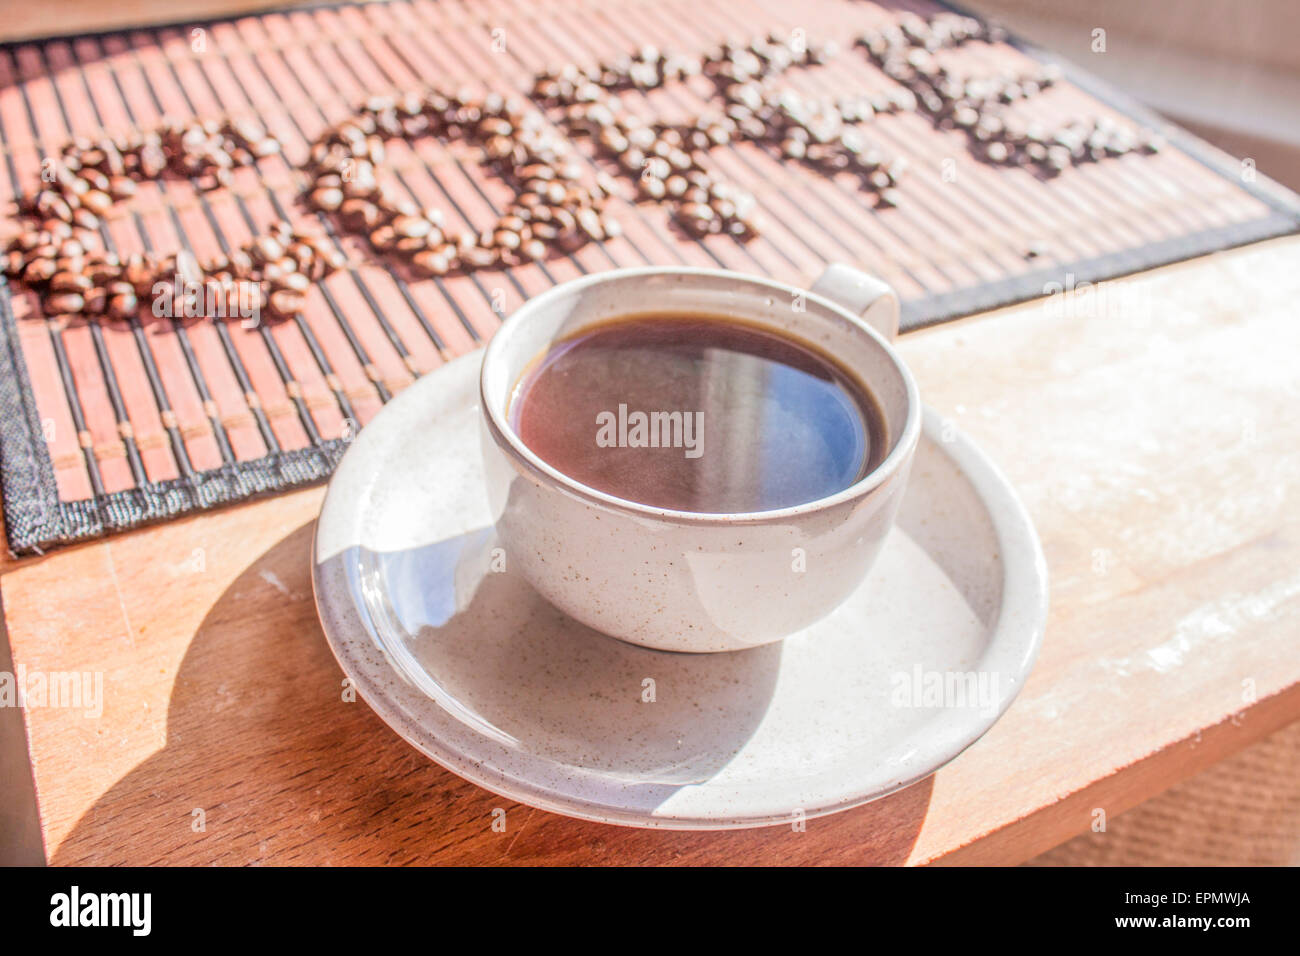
{"x":669,"y":159}
{"x":557,"y":206}
{"x":906,"y":52}
{"x":62,"y":253}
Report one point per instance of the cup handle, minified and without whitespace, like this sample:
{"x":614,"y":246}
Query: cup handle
{"x":867,"y":297}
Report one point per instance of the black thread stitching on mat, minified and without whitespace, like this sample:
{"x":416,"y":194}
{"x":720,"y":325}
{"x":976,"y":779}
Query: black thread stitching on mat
{"x":31,"y":500}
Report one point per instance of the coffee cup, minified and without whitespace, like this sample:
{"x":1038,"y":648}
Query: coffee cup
{"x":683,"y":580}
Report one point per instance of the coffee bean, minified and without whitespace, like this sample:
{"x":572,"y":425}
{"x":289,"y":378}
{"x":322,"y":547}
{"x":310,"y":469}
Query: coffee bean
{"x":333,"y":260}
{"x":652,"y":187}
{"x":479,"y":257}
{"x":532,"y":250}
{"x":38,"y":271}
{"x":997,"y":152}
{"x":96,"y":302}
{"x":383,"y":238}
{"x":359,"y":215}
{"x":139,"y":275}
{"x":123,"y":305}
{"x":408,"y":246}
{"x":327,"y":198}
{"x":315,"y":270}
{"x":507,"y":240}
{"x":266,"y":249}
{"x":697,"y":212}
{"x":302,"y":254}
{"x":286,"y":302}
{"x":70,"y":282}
{"x":293,"y":282}
{"x":590,"y":223}
{"x":246,"y":129}
{"x":320,"y":246}
{"x":431,"y":263}
{"x":77,"y":266}
{"x":53,"y":206}
{"x":101,"y":273}
{"x":97,"y":202}
{"x":153,"y":161}
{"x":67,"y":303}
{"x":880,"y":179}
{"x":411,"y":226}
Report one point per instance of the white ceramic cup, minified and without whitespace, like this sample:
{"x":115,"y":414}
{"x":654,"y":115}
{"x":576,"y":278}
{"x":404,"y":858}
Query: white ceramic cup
{"x":685,"y":581}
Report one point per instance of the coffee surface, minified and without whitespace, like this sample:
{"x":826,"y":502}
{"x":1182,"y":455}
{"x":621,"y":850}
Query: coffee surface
{"x":698,"y":413}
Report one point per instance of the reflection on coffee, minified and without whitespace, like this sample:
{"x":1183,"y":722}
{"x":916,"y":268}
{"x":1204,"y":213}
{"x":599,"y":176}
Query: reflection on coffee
{"x":698,"y":413}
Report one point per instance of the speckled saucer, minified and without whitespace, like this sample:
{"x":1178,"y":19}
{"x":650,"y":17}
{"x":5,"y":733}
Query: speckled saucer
{"x":459,"y":656}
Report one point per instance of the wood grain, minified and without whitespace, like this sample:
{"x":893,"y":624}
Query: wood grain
{"x":1149,"y":427}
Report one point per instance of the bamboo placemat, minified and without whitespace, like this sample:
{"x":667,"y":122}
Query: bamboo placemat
{"x":109,"y":424}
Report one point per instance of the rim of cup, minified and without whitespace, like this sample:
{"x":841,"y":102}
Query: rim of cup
{"x":506,"y":436}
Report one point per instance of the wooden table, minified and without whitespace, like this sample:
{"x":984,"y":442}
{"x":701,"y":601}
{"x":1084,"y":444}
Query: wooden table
{"x":1150,"y":427}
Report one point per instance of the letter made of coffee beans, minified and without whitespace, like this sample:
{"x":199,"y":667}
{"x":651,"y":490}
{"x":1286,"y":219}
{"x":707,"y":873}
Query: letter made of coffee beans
{"x":979,"y":105}
{"x":61,"y":254}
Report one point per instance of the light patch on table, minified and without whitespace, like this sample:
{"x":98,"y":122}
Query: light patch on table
{"x":271,"y":578}
{"x":1213,"y":622}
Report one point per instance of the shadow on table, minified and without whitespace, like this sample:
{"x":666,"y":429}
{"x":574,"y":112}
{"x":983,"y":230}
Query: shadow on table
{"x":265,"y":762}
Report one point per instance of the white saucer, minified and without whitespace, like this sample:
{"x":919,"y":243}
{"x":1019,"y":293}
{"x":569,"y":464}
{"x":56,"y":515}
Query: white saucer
{"x":474,"y":669}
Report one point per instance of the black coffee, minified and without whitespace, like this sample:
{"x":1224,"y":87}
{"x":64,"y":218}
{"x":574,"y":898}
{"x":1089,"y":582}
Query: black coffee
{"x":698,"y":413}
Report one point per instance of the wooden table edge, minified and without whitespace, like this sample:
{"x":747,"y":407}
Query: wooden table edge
{"x":1125,"y":787}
